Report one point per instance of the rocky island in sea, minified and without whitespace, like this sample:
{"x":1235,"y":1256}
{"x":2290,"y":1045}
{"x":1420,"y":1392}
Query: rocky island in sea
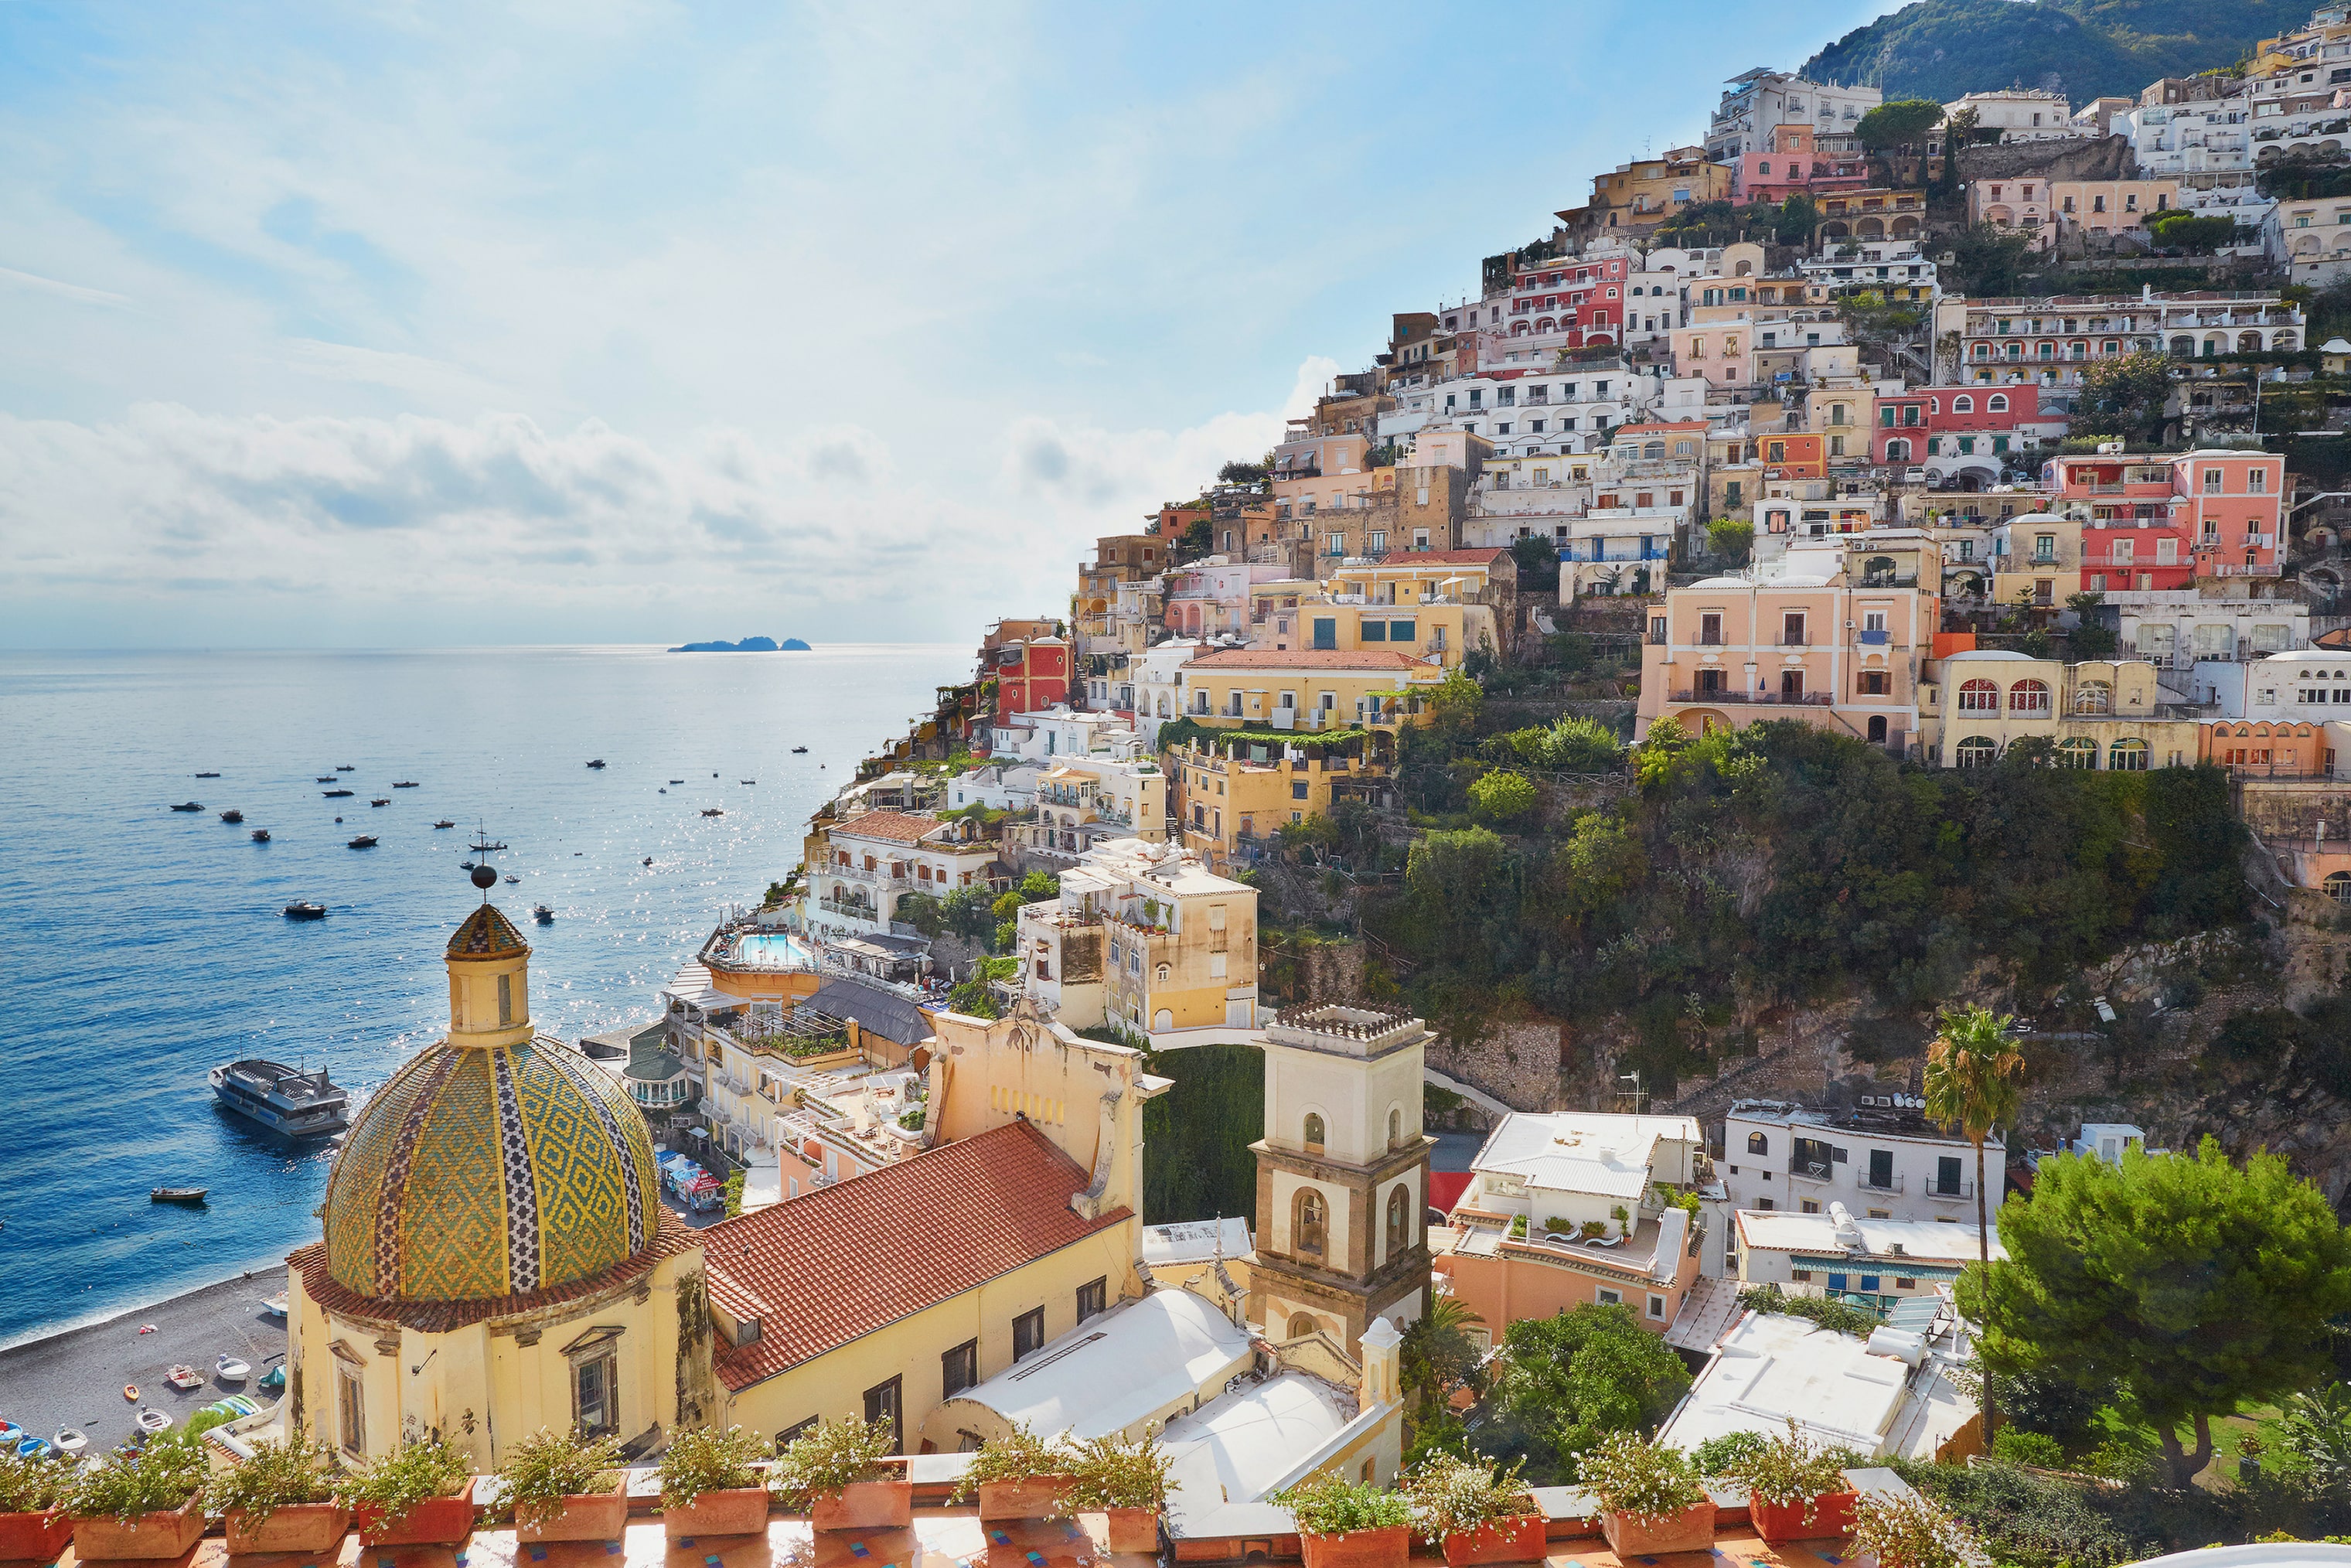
{"x":747,"y":645}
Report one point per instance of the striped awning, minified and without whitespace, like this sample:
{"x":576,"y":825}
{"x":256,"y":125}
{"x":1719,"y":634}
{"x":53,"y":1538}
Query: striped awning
{"x":1906,"y":1267}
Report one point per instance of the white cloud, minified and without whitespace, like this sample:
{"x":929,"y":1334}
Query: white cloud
{"x":73,"y":292}
{"x":1314,"y":382}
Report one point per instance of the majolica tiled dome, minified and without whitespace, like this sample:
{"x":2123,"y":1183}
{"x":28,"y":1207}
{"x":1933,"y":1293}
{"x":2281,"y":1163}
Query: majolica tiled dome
{"x":488,"y":1170}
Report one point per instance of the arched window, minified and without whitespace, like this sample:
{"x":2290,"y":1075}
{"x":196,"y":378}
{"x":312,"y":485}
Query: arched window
{"x":1301,"y":1325}
{"x":1978,"y":697}
{"x":1653,"y":450}
{"x":2094,"y":696}
{"x":1313,"y":1131}
{"x":1898,"y":450}
{"x":1396,"y":1127}
{"x":1978,"y":751}
{"x":2337,"y":887}
{"x":1399,"y":1218}
{"x":1757,"y":1144}
{"x":2029,"y":697}
{"x":1996,"y":404}
{"x":1163,"y":972}
{"x":2128,"y":756}
{"x":1963,"y":404}
{"x":2077,"y":752}
{"x":1309,"y":1222}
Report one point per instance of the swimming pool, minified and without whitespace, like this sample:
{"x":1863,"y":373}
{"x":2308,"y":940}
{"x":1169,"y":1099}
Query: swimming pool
{"x":769,"y":950}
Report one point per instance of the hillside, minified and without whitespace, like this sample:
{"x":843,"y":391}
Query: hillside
{"x":2087,"y":48}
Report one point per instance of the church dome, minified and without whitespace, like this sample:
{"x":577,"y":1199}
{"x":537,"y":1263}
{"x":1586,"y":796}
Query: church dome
{"x":496,"y":1162}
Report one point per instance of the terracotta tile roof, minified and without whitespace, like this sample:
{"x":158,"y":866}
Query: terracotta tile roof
{"x":824,"y":1268}
{"x":898,"y":827}
{"x":1305,"y":658}
{"x":318,"y":1282}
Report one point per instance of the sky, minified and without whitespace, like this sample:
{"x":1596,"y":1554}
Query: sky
{"x":406,"y":324}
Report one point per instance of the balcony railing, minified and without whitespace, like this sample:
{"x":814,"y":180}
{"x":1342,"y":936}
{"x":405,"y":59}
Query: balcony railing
{"x":847,"y":909}
{"x":1812,"y":1170}
{"x":1871,"y":1184}
{"x":1763,"y":699}
{"x":1951,"y":1190}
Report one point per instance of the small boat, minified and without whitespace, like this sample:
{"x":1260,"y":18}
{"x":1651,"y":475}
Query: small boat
{"x":339,"y":794}
{"x":11,"y":1434}
{"x":272,"y":1380}
{"x":799,"y":751}
{"x":187,"y":1195}
{"x":207,"y":775}
{"x":189,"y":805}
{"x":404,"y":784}
{"x":362,"y":843}
{"x":33,"y":1449}
{"x":677,"y":781}
{"x":750,"y":780}
{"x":228,"y":1369}
{"x":232,"y":815}
{"x":130,"y":1391}
{"x":152,"y":1420}
{"x":661,"y":791}
{"x":511,"y":877}
{"x":384,"y":801}
{"x":649,"y":859}
{"x":293,"y":1102}
{"x":261,"y":835}
{"x":543,"y":915}
{"x":274,"y":1305}
{"x":464,"y":865}
{"x":303,"y":909}
{"x":70,"y":1443}
{"x":184,"y":1377}
{"x":713,"y":811}
{"x":326,"y":778}
{"x":345,"y":768}
{"x":598,"y":763}
{"x":445,"y":824}
{"x":486,"y":848}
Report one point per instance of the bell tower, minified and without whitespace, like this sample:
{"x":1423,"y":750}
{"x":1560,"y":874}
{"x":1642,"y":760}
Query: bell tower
{"x":1342,"y":1174}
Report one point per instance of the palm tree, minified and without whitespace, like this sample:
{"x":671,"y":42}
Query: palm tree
{"x":1971,"y":1072}
{"x":1438,"y":1355}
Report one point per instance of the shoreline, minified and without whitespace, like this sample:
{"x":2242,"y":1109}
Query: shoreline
{"x":273,"y":1259}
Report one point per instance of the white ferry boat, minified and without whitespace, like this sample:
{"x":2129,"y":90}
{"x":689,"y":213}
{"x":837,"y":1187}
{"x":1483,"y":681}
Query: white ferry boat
{"x":283,"y":1099}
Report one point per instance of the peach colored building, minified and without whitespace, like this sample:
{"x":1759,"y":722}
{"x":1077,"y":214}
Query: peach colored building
{"x":2104,"y":208}
{"x":1832,"y":633}
{"x":1723,"y":352}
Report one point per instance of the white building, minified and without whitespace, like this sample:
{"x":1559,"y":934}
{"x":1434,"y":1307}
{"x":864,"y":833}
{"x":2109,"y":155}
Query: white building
{"x":2308,"y":685}
{"x":1883,"y":1162}
{"x":1875,"y":1263}
{"x":1762,"y":98}
{"x":2021,"y":114}
{"x":1566,"y":1171}
{"x":2188,"y":629}
{"x":2188,"y":137}
{"x":1528,"y":412}
{"x":1892,"y":1395}
{"x":1158,"y":675}
{"x":1008,"y":786}
{"x":1872,"y":264}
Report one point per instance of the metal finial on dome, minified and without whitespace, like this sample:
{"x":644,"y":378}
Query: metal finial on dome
{"x":485,"y":876}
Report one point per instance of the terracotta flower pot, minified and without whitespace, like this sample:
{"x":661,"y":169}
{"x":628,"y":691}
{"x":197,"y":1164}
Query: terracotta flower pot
{"x":1132,"y":1528}
{"x":310,"y":1527}
{"x":587,"y":1516}
{"x":35,"y":1537}
{"x":1033,"y":1497}
{"x":866,"y":1505}
{"x":444,"y":1521}
{"x":1519,"y":1539}
{"x":1387,"y":1548}
{"x":1831,"y":1515}
{"x":148,"y":1535}
{"x":1692,"y":1530}
{"x":736,"y":1510}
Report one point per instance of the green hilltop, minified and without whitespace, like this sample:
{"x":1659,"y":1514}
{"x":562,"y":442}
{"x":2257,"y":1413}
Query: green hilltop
{"x":2085,"y":48}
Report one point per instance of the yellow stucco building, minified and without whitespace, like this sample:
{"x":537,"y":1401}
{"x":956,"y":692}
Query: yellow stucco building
{"x":496,"y":1259}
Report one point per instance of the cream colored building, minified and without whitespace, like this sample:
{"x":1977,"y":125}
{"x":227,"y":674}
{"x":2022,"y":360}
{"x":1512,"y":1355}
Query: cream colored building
{"x":2037,"y":555}
{"x":860,"y":868}
{"x":1307,"y":688}
{"x":1146,"y":940}
{"x":2104,"y":714}
{"x":496,"y":1259}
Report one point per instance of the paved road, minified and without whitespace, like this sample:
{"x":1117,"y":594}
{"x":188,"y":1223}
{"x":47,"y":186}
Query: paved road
{"x":75,"y":1378}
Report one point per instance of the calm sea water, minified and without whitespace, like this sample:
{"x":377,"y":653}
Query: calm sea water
{"x":139,"y":946}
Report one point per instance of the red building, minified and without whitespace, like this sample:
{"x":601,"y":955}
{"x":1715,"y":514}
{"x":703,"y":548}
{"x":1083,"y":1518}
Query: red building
{"x":1952,"y":428}
{"x":1030,"y":663}
{"x":1584,"y":300}
{"x":1790,"y":162}
{"x":2157,"y":522}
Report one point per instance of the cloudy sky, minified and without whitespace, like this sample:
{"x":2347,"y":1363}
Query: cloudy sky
{"x":616,"y":320}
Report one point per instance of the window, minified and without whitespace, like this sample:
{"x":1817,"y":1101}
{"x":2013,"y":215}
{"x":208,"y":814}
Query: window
{"x":1757,"y":1144}
{"x":1978,"y":751}
{"x":1028,"y":1332}
{"x":1609,"y":1297}
{"x":1309,"y":1223}
{"x":595,"y":1402}
{"x":1395,"y":1127}
{"x":884,"y":1405}
{"x":794,"y":1433}
{"x":2128,"y":756}
{"x":1963,"y":404}
{"x":959,"y":1369}
{"x":1996,"y":404}
{"x":351,"y":1409}
{"x":1314,"y":1132}
{"x":1657,"y":1309}
{"x":1399,"y":1218}
{"x":1978,"y":697}
{"x":1947,"y":1175}
{"x":505,"y":998}
{"x":1093,"y":1297}
{"x":2029,"y":697}
{"x":2211,"y":481}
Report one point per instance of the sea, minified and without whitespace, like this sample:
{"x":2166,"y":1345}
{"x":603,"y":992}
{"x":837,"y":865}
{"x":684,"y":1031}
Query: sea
{"x":140,"y":947}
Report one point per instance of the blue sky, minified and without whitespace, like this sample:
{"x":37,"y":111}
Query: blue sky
{"x":603,"y":321}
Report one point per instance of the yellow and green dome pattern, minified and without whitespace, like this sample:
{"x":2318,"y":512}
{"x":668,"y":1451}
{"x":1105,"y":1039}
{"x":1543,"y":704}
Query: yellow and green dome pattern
{"x":480,"y":1172}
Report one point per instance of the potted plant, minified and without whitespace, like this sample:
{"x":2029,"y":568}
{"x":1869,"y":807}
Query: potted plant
{"x":1124,"y":1480}
{"x":420,"y":1494}
{"x":34,"y":1522}
{"x":1343,"y":1524}
{"x":563,"y":1488}
{"x":1796,"y":1489}
{"x":1650,"y":1499}
{"x":1911,"y":1532}
{"x":711,"y":1484}
{"x":835,"y":1474}
{"x":280,"y":1500}
{"x":143,"y":1506}
{"x":1019,"y":1476}
{"x":1477,"y":1513}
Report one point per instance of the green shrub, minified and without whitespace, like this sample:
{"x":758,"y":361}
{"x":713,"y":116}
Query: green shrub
{"x":701,"y":1459}
{"x":2027,"y":1520}
{"x":1716,"y":1456}
{"x":32,"y":1486}
{"x":278,"y":1475}
{"x":547,"y":1467}
{"x":1453,"y":1495}
{"x":1828,"y":1314}
{"x":1785,"y":1472}
{"x":1114,"y":1471}
{"x":1911,"y":1533}
{"x":2019,"y":1446}
{"x":1502,"y":797}
{"x":160,"y":1479}
{"x":1638,"y":1479}
{"x":420,"y":1469}
{"x":828,"y":1456}
{"x":1018,"y":1455}
{"x":1330,"y":1504}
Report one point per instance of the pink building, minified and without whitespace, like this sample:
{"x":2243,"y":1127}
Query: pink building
{"x":2158,"y":523}
{"x":1791,"y":162}
{"x":1953,"y":424}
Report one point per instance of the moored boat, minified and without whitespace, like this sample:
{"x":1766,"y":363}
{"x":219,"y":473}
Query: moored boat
{"x":598,"y":763}
{"x":192,"y":1195}
{"x":189,"y":805}
{"x":261,"y":835}
{"x":386,"y":800}
{"x":150,"y":1419}
{"x":543,"y":915}
{"x":293,"y":1101}
{"x":511,"y":877}
{"x":364,"y":841}
{"x":207,"y":775}
{"x":339,"y":794}
{"x":713,"y":811}
{"x":71,"y":1441}
{"x":403,"y":784}
{"x":303,"y":909}
{"x":345,"y":768}
{"x":229,"y":1369}
{"x":445,"y":823}
{"x":232,"y":815}
{"x":326,"y":778}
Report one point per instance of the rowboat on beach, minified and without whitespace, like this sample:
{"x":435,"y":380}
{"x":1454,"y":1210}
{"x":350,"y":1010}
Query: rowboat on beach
{"x":71,"y":1442}
{"x":274,"y":1305}
{"x":184,"y":1377}
{"x":228,"y":1369}
{"x":152,"y":1420}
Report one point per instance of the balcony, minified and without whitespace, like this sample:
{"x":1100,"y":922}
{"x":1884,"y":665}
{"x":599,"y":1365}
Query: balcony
{"x":848,"y":909}
{"x":1818,"y":1171}
{"x":1869,"y":1184}
{"x":1761,"y":699}
{"x":1950,"y":1192}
